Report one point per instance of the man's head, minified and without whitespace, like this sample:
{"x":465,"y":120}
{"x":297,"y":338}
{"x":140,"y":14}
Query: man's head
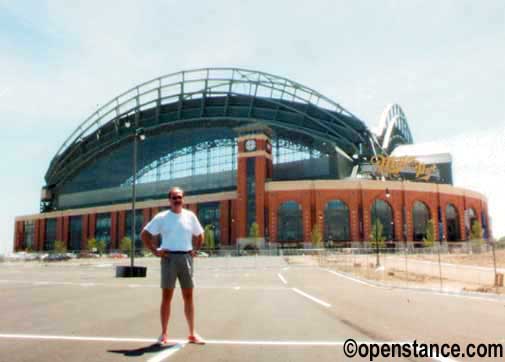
{"x":176,"y":199}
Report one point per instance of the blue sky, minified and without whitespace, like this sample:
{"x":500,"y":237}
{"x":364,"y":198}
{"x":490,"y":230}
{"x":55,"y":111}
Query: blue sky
{"x":442,"y":61}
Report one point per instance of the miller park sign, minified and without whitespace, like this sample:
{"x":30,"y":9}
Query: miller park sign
{"x":393,"y":167}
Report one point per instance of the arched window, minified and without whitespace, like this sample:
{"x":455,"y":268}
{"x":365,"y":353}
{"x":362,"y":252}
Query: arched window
{"x":420,"y":216}
{"x":383,"y":212}
{"x":289,"y":222}
{"x":452,"y":222}
{"x":336,"y":221}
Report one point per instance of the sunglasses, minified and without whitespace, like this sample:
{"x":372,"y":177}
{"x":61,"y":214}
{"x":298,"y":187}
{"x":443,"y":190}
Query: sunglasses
{"x":174,"y":198}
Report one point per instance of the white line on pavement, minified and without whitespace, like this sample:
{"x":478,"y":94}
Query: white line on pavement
{"x":236,"y":288}
{"x":282,"y":278}
{"x":184,"y":341}
{"x":167,"y":353}
{"x":351,"y":278}
{"x":444,"y":359}
{"x":314,"y":299}
{"x":80,"y":338}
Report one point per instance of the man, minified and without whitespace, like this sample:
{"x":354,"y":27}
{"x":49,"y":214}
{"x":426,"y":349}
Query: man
{"x":178,"y":227}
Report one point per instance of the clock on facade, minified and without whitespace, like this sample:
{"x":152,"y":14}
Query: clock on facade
{"x":250,"y":145}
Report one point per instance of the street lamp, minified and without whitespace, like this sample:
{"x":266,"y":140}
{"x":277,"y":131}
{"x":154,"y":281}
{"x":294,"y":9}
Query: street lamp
{"x":132,"y":270}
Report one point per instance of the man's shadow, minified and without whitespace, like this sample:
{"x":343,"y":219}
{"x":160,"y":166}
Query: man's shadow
{"x":153,"y":348}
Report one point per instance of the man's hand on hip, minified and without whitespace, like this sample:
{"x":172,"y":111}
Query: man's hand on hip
{"x":160,"y":252}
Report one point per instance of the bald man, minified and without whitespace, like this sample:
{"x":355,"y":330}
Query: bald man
{"x":179,"y":229}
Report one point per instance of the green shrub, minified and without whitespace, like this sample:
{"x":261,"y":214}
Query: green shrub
{"x":101,"y":246}
{"x":316,"y":236}
{"x":208,"y":237}
{"x":254,"y":230}
{"x":91,"y":245}
{"x":429,"y":239}
{"x":60,"y":246}
{"x":376,"y":237}
{"x":126,"y":245}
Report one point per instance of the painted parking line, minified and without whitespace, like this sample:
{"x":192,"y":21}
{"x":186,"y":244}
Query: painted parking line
{"x":167,"y":353}
{"x":282,"y":278}
{"x":444,"y":359}
{"x":183,"y":342}
{"x":314,"y":299}
{"x":351,"y":278}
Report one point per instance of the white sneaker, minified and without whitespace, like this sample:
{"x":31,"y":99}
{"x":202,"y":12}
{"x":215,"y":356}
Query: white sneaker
{"x":162,"y":340}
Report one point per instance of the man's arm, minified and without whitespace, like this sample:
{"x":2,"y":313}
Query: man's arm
{"x":197,"y":242}
{"x":148,"y":240}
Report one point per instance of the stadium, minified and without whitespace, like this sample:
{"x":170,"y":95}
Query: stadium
{"x":260,"y":157}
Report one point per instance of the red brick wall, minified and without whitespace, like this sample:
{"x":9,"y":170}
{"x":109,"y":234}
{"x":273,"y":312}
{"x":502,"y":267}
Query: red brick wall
{"x":113,"y":230}
{"x":224,"y":217}
{"x":241,"y":211}
{"x":261,"y":168}
{"x":84,"y":231}
{"x":92,"y":226}
{"x":146,"y":213}
{"x":42,"y":233}
{"x":314,"y":201}
{"x":59,"y":228}
{"x":121,"y":222}
{"x":65,"y":230}
{"x":19,"y":235}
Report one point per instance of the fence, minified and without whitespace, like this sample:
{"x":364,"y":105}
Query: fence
{"x":432,"y":268}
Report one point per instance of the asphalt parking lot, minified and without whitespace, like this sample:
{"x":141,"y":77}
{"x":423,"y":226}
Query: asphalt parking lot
{"x":247,"y":309}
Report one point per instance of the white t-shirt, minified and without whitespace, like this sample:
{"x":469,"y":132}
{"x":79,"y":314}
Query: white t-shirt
{"x":176,"y":230}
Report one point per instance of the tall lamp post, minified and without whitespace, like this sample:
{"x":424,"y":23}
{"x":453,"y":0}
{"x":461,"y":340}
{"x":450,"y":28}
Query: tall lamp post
{"x":376,"y":229}
{"x":132,"y":270}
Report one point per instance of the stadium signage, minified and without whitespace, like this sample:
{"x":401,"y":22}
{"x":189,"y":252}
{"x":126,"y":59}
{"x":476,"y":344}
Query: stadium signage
{"x":392,"y":166}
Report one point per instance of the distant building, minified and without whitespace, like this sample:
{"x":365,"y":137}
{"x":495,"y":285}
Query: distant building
{"x":247,"y":147}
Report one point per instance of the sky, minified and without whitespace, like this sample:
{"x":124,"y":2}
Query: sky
{"x":442,"y":61}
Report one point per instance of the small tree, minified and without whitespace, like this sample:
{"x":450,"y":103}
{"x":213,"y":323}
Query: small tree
{"x":376,"y":237}
{"x":254,"y":230}
{"x":315,"y":236}
{"x":101,"y":246}
{"x":91,"y":245}
{"x":476,"y":234}
{"x":59,"y":247}
{"x":429,"y":239}
{"x":126,"y":245}
{"x":208,"y":237}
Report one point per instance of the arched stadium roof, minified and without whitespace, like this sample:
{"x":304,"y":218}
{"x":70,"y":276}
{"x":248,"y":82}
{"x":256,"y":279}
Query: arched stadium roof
{"x":212,"y":97}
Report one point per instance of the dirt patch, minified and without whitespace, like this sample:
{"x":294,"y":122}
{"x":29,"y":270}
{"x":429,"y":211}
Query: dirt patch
{"x":480,"y":259}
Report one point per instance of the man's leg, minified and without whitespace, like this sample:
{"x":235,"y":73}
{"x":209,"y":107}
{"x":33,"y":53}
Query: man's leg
{"x":166,"y":300}
{"x":168,"y":277}
{"x":189,"y":309}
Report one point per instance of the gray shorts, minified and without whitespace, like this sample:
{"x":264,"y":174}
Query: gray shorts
{"x":177,"y":266}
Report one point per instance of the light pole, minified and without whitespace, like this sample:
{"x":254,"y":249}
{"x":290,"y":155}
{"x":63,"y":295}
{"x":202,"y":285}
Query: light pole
{"x":132,"y":270}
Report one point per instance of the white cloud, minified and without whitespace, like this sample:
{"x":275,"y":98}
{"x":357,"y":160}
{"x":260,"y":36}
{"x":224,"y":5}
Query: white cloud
{"x":479,"y":164}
